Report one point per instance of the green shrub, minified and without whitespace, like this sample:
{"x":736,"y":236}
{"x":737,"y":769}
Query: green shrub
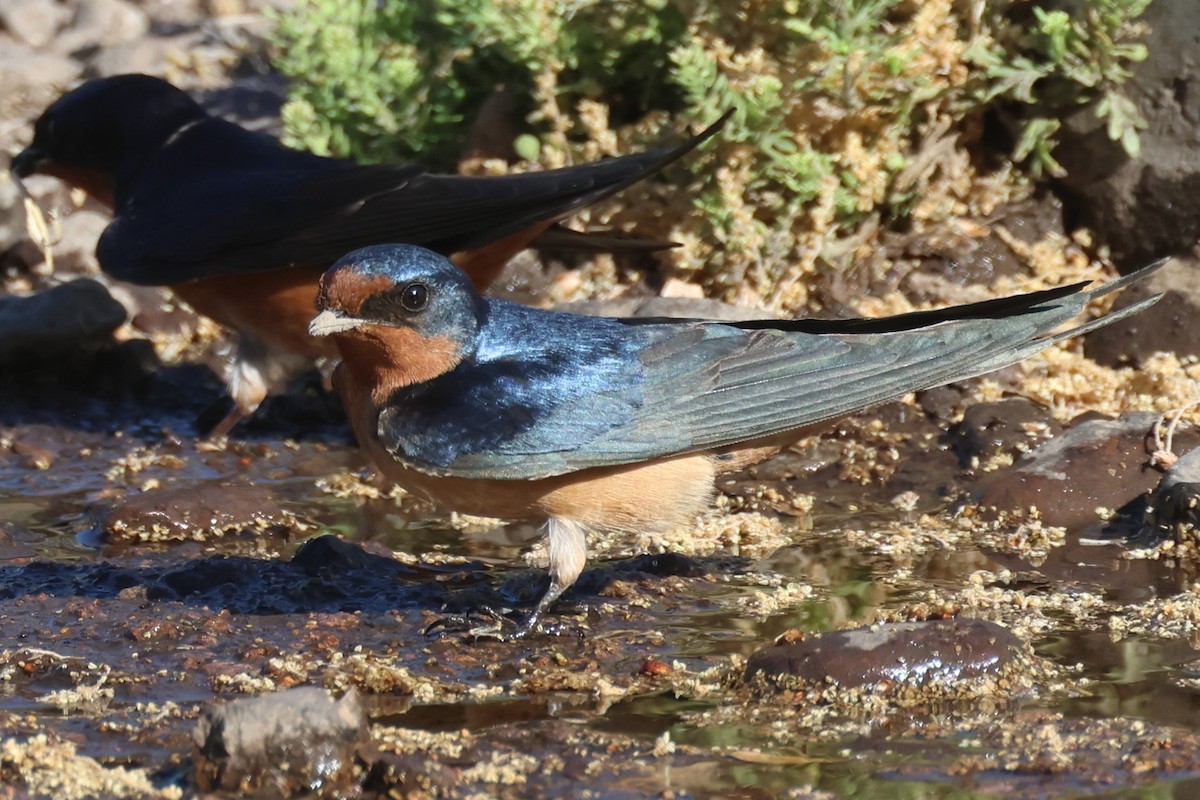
{"x":399,"y":81}
{"x":847,"y":112}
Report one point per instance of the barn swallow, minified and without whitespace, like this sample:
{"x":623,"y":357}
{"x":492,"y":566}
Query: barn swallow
{"x":500,"y":410}
{"x":242,"y":228}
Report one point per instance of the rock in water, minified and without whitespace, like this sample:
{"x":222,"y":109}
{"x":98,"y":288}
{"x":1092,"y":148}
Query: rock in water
{"x":296,"y":742}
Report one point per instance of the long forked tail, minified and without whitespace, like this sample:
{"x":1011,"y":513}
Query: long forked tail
{"x":830,"y":370}
{"x":964,"y":344}
{"x":1078,"y":302}
{"x":541,"y":198}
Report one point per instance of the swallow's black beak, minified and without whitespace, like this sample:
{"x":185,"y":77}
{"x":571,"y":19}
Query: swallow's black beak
{"x":27,"y":162}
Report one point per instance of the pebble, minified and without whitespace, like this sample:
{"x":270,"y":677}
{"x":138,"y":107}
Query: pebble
{"x":32,"y":22}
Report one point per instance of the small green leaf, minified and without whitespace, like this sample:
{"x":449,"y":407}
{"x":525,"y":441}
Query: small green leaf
{"x":527,"y":146}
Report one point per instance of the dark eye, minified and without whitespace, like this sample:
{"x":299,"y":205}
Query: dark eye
{"x":414,"y":297}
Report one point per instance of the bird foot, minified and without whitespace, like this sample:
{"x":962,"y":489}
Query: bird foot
{"x":494,"y":623}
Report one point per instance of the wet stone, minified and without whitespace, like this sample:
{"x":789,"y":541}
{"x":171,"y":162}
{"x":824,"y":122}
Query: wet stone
{"x":927,"y":654}
{"x":299,"y":742}
{"x":1099,"y":463}
{"x":195,"y":512}
{"x":239,"y":584}
{"x":944,"y":403}
{"x":68,"y":320}
{"x":16,"y":542}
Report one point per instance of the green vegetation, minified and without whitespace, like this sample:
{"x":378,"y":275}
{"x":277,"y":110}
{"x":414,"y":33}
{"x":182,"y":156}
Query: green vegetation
{"x":399,"y":81}
{"x":851,"y":116}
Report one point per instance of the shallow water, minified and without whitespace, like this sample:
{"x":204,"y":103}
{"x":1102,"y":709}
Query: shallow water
{"x":637,"y":697}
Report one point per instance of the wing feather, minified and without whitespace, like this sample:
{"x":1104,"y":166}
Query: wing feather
{"x":192,"y":216}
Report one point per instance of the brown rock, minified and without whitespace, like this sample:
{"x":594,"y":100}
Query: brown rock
{"x":979,"y":256}
{"x":492,"y":133}
{"x":1099,"y":463}
{"x":1012,"y":425}
{"x":909,"y":653}
{"x":194,"y":512}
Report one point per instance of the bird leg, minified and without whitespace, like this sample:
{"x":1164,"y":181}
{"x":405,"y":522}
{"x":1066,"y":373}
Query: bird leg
{"x":567,"y":543}
{"x":248,"y":387}
{"x":256,"y":370}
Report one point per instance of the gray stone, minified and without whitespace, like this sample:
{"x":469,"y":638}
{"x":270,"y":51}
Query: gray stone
{"x":172,"y":13}
{"x":254,"y":103}
{"x":33,"y":22}
{"x":149,"y":55}
{"x":29,"y":81}
{"x":12,"y":215}
{"x":70,"y":319}
{"x":290,"y":743}
{"x":75,"y":250}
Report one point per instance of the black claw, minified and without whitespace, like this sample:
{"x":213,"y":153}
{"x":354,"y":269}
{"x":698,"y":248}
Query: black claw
{"x":468,"y":622}
{"x":487,"y":622}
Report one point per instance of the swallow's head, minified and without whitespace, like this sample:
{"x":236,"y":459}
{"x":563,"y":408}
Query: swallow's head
{"x":399,"y":308}
{"x":104,"y":126}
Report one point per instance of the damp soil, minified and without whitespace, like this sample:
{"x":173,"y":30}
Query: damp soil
{"x":145,"y":575}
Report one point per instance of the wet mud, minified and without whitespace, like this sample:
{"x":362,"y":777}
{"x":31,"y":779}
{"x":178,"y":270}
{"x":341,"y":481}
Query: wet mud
{"x":147,"y":578}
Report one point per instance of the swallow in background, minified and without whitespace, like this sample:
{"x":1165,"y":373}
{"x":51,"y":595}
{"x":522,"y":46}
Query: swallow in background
{"x":242,"y":228}
{"x":500,"y":410}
